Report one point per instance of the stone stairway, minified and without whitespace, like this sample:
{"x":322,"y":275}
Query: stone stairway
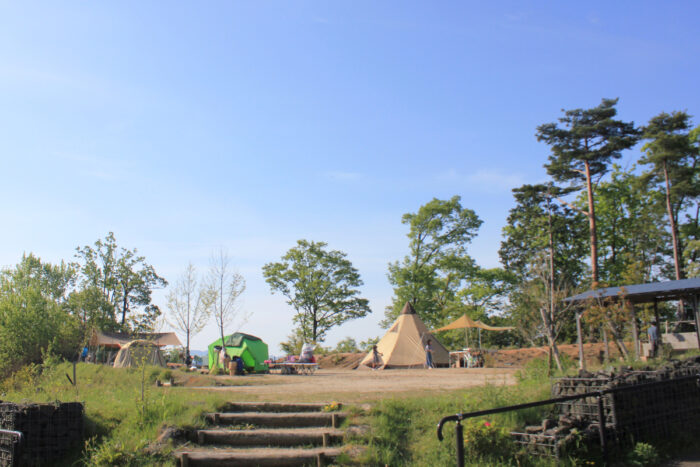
{"x":266,"y":434}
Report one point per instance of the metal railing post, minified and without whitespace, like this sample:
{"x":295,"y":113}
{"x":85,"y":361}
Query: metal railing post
{"x":601,"y":426}
{"x":459,"y":433}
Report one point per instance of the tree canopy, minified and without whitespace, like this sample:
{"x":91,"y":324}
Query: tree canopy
{"x":321,"y":285}
{"x":437,"y":264}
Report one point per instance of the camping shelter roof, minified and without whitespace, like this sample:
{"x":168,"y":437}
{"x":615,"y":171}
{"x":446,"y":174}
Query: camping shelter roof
{"x":119,"y":340}
{"x":644,"y":293}
{"x":465,"y":321}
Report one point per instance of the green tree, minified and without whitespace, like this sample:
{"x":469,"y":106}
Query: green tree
{"x":672,"y":152}
{"x":430,"y":275}
{"x":34,"y":319}
{"x":630,"y":220}
{"x":347,"y":345}
{"x":582,"y":148}
{"x":124,"y":278}
{"x":483,"y":294}
{"x":537,"y":225}
{"x":321,"y":285}
{"x":544,"y":246}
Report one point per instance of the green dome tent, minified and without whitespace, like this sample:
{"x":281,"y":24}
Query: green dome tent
{"x":251,"y":349}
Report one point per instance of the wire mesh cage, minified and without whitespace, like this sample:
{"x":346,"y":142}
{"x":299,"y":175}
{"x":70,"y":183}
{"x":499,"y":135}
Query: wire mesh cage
{"x":538,"y":444}
{"x":49,"y":430}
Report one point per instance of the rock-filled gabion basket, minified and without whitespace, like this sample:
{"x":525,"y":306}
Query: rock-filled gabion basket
{"x":638,"y":413}
{"x":49,"y":431}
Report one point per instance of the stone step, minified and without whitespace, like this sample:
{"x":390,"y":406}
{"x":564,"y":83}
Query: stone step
{"x":265,"y":437}
{"x":278,"y":420}
{"x":274,"y":407}
{"x":258,"y":457}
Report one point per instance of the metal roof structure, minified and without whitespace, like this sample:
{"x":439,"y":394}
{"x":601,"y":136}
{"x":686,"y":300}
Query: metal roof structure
{"x":644,"y":293}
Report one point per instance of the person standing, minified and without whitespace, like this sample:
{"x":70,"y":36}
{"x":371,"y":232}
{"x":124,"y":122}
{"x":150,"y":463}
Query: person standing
{"x":653,"y":332}
{"x":376,"y":357}
{"x":429,"y":354}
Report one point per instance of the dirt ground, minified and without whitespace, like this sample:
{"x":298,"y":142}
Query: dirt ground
{"x":512,"y":358}
{"x":361,"y":385}
{"x":337,"y":378}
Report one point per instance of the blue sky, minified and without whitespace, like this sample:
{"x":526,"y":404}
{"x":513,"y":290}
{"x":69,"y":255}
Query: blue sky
{"x":183,"y":126}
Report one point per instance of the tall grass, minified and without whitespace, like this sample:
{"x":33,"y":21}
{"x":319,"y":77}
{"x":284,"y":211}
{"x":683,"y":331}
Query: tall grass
{"x":120,"y":424}
{"x":403,"y":431}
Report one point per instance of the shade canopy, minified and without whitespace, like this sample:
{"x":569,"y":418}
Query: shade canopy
{"x":644,"y":293}
{"x":465,"y":321}
{"x":118,"y":340}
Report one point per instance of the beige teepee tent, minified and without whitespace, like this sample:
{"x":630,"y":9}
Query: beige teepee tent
{"x":403,"y":346}
{"x":137,"y":353}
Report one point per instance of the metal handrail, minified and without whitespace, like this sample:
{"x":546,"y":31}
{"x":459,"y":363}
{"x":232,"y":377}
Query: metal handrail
{"x":597,"y":394}
{"x":18,"y":434}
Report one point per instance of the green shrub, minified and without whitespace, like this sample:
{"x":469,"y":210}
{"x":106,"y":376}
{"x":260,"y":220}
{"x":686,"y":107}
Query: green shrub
{"x":25,"y":377}
{"x":483,"y":439}
{"x":643,"y":455}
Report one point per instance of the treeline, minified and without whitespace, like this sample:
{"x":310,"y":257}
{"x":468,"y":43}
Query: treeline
{"x":592,"y":224}
{"x":49,"y":309}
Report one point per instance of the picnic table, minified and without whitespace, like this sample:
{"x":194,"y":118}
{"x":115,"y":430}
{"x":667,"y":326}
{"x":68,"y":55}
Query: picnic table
{"x":293,"y":368}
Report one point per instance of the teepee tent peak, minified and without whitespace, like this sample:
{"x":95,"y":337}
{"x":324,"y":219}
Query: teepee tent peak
{"x":408,"y":309}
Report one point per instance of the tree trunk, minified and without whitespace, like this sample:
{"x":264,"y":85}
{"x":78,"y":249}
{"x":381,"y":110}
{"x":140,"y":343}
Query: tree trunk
{"x":592,"y":227}
{"x":554,"y":351}
{"x":674,"y":239}
{"x":552,"y":306}
{"x":618,"y":340}
{"x":674,"y":227}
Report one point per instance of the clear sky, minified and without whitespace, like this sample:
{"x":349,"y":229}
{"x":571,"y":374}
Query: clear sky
{"x":182,"y":126}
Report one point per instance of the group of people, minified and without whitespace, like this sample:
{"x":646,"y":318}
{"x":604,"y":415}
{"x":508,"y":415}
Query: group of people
{"x":233,"y":365}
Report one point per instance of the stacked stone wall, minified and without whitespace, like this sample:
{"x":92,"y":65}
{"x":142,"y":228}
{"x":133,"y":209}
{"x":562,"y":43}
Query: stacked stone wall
{"x":638,"y":413}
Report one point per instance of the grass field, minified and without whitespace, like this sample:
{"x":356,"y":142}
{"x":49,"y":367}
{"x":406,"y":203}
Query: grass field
{"x":124,"y":410}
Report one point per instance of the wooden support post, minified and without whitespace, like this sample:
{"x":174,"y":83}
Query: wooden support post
{"x":601,"y":426}
{"x":607,"y":344}
{"x":579,"y":334}
{"x":334,"y":420}
{"x":326,"y":439}
{"x":656,"y":315}
{"x":200,"y":437}
{"x":320,"y":460}
{"x":635,"y":330}
{"x":697,"y":318}
{"x":184,"y":460}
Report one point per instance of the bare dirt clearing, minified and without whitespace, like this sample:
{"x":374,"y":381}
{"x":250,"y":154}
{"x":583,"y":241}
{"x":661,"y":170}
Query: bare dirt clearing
{"x":359,"y":385}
